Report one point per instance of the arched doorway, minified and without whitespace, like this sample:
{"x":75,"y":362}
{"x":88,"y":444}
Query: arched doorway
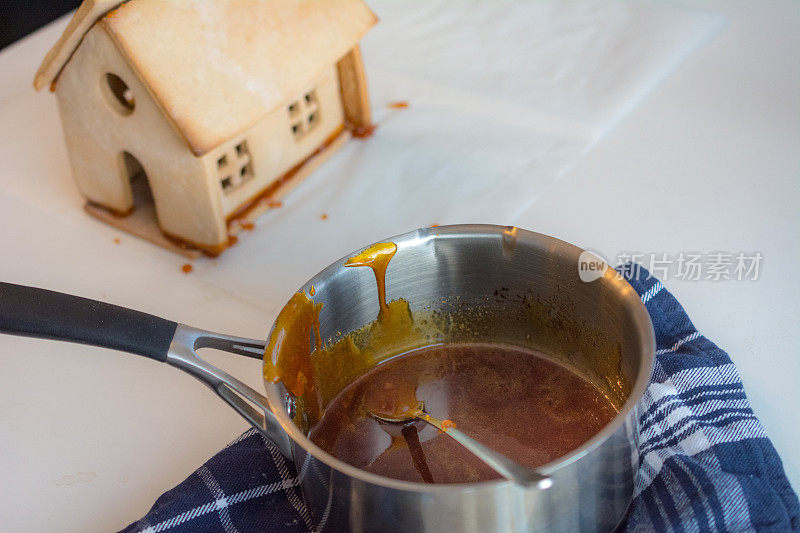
{"x":134,"y":173}
{"x":142,"y":221}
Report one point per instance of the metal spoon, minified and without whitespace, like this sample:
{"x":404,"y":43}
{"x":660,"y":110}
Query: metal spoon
{"x":501,"y":464}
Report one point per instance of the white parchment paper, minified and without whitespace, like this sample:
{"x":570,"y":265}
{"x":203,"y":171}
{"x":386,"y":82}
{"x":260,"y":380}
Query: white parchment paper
{"x":503,"y":97}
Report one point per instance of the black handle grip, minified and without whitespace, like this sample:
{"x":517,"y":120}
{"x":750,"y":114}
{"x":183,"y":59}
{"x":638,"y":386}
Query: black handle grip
{"x":40,"y":313}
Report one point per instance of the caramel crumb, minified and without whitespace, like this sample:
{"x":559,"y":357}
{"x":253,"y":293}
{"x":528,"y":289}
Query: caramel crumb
{"x":324,"y":216}
{"x":247,"y":226}
{"x":274,"y":203}
{"x":116,"y":240}
{"x":397,"y":105}
{"x":187,"y":268}
{"x":448,"y":424}
{"x":362,"y":132}
{"x":434,"y":225}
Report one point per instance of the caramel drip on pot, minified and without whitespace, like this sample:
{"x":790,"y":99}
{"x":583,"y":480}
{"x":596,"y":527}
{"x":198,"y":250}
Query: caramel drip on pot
{"x":315,"y":372}
{"x":376,"y":257}
{"x":287,"y":357}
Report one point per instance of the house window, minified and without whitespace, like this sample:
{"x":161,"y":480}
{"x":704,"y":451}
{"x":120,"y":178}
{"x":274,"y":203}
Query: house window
{"x":118,"y":94}
{"x":234,"y":167}
{"x":304,"y":114}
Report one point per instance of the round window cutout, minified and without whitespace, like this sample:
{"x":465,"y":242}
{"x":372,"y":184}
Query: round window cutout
{"x":121,"y":94}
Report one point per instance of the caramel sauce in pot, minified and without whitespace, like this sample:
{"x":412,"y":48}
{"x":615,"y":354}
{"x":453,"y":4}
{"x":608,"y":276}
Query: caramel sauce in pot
{"x":513,"y":400}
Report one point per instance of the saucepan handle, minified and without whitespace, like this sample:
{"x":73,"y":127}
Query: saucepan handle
{"x":40,"y":313}
{"x":250,"y":404}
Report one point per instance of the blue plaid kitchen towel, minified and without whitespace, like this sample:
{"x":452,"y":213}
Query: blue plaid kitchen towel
{"x":705,"y":464}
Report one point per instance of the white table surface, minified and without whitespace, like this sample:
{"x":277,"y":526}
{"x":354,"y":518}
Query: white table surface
{"x":710,"y":161}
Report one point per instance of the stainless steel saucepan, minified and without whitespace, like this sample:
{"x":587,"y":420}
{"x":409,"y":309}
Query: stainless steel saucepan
{"x":487,"y":283}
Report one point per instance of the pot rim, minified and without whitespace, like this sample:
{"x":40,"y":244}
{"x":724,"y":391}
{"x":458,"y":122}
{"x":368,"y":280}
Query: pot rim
{"x":631,"y":300}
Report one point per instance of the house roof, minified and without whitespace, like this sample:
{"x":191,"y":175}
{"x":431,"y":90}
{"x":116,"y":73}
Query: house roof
{"x":216,"y":67}
{"x":58,"y":56}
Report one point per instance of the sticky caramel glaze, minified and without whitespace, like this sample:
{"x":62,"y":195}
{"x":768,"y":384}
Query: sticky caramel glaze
{"x":180,"y":242}
{"x":363,"y":132}
{"x":239,"y":216}
{"x":511,"y":399}
{"x":376,"y":257}
{"x":265,"y":196}
{"x":209,"y":250}
{"x":316,"y":376}
{"x":448,"y":424}
{"x":115,"y":212}
{"x":287,"y":357}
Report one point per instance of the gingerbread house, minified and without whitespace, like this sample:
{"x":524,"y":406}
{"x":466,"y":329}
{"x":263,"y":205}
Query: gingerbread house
{"x":185,"y":120}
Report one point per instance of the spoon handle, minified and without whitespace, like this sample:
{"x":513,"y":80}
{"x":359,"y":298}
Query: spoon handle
{"x":504,"y":466}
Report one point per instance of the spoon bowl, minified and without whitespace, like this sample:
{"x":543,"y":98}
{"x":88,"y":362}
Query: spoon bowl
{"x":405,"y":417}
{"x":501,"y":464}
